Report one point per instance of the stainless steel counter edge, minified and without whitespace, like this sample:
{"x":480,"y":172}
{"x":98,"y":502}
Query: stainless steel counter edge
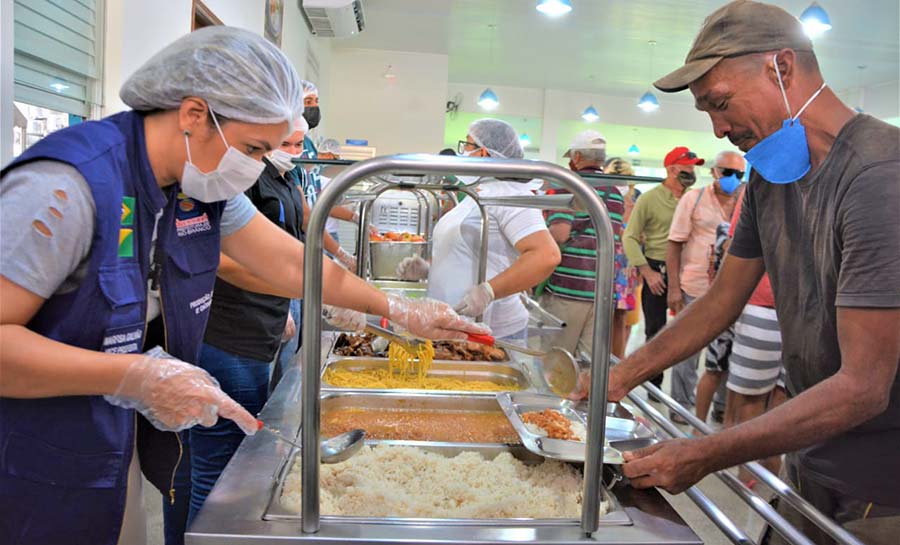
{"x":233,"y":511}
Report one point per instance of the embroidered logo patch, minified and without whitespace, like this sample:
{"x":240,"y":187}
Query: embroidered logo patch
{"x":126,"y":242}
{"x":127,"y":211}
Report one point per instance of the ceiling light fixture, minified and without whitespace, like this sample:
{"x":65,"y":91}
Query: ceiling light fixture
{"x":634,"y":150}
{"x":554,"y":8}
{"x":590,"y":114}
{"x":58,"y":86}
{"x":524,"y":140}
{"x":815,"y":21}
{"x":389,"y":73}
{"x":648,"y":102}
{"x":488,"y":100}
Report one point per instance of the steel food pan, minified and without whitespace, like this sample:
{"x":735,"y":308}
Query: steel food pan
{"x":615,"y":515}
{"x":500,"y":373}
{"x":333,"y":355}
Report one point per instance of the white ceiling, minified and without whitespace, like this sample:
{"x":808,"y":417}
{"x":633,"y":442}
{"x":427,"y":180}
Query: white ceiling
{"x":602,"y":45}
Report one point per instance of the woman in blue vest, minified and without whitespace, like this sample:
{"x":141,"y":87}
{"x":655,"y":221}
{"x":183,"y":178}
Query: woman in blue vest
{"x":108,"y":226}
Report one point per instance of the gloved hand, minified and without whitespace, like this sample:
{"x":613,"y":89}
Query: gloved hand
{"x":430,"y":319}
{"x":476,"y":300}
{"x":344,"y":318}
{"x":412,"y":268}
{"x":345,"y":259}
{"x":175,"y":395}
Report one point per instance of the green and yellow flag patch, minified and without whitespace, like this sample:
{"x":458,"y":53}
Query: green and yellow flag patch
{"x":126,"y":242}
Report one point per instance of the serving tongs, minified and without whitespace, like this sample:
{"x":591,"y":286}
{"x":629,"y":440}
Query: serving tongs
{"x":410,"y":344}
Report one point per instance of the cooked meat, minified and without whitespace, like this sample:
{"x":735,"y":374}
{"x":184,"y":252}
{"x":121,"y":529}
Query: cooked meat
{"x":359,"y":345}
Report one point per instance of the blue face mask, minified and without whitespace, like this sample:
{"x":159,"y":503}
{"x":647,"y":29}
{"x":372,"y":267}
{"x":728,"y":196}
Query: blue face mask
{"x":729,"y":183}
{"x":783,"y":156}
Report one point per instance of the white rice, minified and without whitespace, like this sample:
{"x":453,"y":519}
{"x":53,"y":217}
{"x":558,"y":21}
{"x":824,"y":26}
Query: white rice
{"x":387,"y":481}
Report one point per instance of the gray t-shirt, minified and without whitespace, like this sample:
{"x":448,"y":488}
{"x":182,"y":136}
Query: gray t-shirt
{"x":832,"y":239}
{"x":58,"y":197}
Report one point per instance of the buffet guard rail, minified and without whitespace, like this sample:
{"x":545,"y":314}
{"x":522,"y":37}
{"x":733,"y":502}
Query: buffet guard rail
{"x":416,"y":165}
{"x":782,"y":489}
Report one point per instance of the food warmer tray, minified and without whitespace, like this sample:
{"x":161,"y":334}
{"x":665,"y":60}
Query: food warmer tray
{"x":333,"y":344}
{"x":620,"y":426}
{"x":234,"y":512}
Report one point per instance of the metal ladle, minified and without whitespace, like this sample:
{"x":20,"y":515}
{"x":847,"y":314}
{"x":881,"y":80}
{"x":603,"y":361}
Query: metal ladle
{"x":560,"y":368}
{"x":332,"y":450}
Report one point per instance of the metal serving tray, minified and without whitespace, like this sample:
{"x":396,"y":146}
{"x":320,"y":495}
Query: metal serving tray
{"x":275,"y":511}
{"x":462,"y":370}
{"x":620,"y":427}
{"x":333,"y":355}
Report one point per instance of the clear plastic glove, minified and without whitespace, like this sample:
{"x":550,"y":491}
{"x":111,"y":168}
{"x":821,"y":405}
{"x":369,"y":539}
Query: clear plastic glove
{"x":476,"y":300}
{"x":175,"y":395}
{"x":344,"y":318}
{"x":412,"y":268}
{"x":372,"y":229}
{"x":346,"y":259}
{"x":431,"y":319}
{"x":290,"y":329}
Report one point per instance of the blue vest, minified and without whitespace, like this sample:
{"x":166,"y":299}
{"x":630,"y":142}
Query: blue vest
{"x":64,"y":461}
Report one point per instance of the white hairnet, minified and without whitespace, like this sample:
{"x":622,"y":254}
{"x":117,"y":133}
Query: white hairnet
{"x":240,"y":75}
{"x":300,"y":124}
{"x":499,"y":138}
{"x":309,"y":88}
{"x":330,"y":146}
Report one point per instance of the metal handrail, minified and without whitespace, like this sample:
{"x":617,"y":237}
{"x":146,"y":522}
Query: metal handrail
{"x":781,"y":488}
{"x":312,"y":307}
{"x":766,"y":511}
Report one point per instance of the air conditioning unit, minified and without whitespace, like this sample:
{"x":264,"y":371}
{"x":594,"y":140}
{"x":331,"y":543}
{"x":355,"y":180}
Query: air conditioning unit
{"x":333,"y":18}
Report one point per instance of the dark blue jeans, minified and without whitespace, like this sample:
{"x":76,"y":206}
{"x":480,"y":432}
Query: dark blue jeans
{"x":246,"y":380}
{"x":288,"y":348}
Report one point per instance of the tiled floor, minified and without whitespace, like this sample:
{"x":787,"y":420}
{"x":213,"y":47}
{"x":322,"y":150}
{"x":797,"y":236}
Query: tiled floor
{"x":717,"y":491}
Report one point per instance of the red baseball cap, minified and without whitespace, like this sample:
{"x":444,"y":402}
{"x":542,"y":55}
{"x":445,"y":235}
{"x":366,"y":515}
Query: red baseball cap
{"x":682,"y":156}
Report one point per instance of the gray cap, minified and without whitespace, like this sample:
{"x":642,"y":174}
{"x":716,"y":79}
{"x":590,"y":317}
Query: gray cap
{"x":739,"y":28}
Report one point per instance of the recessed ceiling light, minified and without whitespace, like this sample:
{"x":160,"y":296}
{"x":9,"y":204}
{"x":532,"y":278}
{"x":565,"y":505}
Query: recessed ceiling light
{"x":554,"y":8}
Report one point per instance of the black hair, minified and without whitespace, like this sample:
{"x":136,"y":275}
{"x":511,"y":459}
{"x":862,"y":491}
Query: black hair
{"x":448,"y":151}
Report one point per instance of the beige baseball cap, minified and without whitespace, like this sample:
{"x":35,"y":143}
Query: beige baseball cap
{"x":586,"y":140}
{"x":738,"y":28}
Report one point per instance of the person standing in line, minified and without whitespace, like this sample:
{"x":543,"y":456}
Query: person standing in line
{"x":692,"y":239}
{"x":569,"y":293}
{"x":647,"y":234}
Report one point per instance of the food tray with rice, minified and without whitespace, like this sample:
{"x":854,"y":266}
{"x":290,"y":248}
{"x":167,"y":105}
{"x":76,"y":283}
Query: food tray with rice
{"x":410,"y":483}
{"x":555,"y":428}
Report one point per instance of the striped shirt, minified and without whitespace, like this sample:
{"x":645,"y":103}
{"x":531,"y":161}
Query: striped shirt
{"x":574,"y":277}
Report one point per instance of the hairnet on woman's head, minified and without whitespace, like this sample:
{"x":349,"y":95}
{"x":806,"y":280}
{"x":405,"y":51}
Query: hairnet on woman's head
{"x":499,"y":138}
{"x":241,"y":76}
{"x":300,"y":124}
{"x":309,"y":88}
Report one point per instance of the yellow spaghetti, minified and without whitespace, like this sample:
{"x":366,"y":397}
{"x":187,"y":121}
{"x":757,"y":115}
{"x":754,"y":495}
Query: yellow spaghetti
{"x":410,"y":370}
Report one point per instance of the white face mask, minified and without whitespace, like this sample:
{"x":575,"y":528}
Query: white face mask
{"x":283,"y":160}
{"x":235,"y":174}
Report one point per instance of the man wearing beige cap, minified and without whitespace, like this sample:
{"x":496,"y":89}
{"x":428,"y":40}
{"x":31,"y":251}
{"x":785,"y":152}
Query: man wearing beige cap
{"x":822,"y":216}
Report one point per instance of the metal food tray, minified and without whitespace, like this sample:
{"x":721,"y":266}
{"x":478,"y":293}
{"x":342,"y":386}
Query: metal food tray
{"x":618,"y":428}
{"x":462,"y":370}
{"x":275,"y":511}
{"x":334,"y":355}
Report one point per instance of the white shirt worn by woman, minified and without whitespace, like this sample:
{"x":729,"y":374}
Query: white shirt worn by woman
{"x":456,"y":251}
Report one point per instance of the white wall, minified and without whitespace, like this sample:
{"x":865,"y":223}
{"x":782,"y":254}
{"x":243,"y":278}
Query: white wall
{"x":404,"y":115}
{"x":137,"y":29}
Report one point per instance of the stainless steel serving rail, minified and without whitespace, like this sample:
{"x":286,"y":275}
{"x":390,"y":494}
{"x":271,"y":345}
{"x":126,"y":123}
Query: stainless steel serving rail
{"x":312,"y":305}
{"x":789,"y":532}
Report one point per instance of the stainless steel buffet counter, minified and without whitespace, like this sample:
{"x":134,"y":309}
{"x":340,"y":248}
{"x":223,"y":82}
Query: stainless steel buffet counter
{"x":242,"y":508}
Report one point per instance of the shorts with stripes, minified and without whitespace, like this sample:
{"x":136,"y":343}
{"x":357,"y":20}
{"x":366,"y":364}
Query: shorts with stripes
{"x":719,"y":351}
{"x":755,"y":364}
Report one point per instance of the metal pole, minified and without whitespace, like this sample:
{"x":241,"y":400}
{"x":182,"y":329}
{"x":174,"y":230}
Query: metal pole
{"x":781,"y":488}
{"x":766,"y":511}
{"x":718,"y":517}
{"x":312,"y":307}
